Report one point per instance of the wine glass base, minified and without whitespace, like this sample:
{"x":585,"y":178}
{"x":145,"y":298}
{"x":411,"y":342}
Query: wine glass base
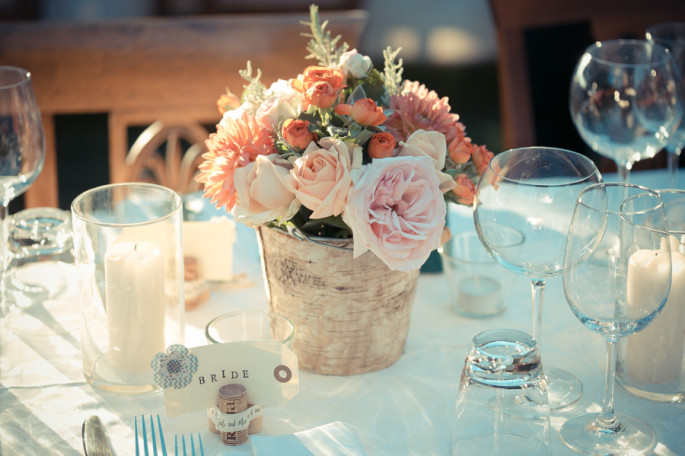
{"x":628,"y":435}
{"x":563,"y":388}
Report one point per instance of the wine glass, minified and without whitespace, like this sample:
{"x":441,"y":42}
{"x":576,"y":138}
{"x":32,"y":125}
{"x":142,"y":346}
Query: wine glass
{"x":617,"y":276}
{"x":624,"y":101}
{"x":22,"y":144}
{"x":672,"y":36}
{"x":522,"y":211}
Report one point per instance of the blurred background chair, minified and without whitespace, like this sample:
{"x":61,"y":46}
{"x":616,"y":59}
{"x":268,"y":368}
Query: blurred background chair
{"x":539,"y":45}
{"x":139,"y":71}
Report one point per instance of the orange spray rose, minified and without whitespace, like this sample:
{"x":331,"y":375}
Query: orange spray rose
{"x":364,"y":112}
{"x":465,"y":189}
{"x":296,"y":133}
{"x":481,"y":158}
{"x":382,"y":145}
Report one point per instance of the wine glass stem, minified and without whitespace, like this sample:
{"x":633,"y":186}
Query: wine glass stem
{"x":538,"y":287}
{"x":623,"y":170}
{"x":673,"y":160}
{"x":607,"y":420}
{"x":3,"y":250}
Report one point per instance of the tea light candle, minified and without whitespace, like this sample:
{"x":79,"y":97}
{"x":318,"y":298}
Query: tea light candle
{"x":655,"y":354}
{"x":479,"y":295}
{"x":134,"y":284}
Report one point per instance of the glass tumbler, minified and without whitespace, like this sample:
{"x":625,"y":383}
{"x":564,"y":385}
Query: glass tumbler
{"x":252,"y":326}
{"x":651,"y":363}
{"x":129,"y":257}
{"x":502,"y":407}
{"x":39,"y":248}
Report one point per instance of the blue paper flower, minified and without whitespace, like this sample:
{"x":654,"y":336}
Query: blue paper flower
{"x":175,"y":368}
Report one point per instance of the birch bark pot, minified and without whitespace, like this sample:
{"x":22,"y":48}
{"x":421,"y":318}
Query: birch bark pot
{"x":351,"y":316}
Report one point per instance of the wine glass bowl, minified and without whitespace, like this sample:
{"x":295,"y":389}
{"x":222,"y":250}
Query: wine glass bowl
{"x":671,"y":35}
{"x":528,"y":195}
{"x":624,"y":101}
{"x":22,"y":145}
{"x":616,"y":277}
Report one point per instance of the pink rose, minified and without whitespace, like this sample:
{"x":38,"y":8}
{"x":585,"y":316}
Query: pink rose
{"x":396,"y":209}
{"x":263,"y":191}
{"x":430,"y":144}
{"x":321,"y":177}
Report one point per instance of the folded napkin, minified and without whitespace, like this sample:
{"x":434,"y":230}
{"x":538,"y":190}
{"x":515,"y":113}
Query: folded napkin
{"x":333,"y":439}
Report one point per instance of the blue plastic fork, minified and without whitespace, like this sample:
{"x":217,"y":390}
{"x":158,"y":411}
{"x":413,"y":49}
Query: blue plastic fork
{"x":192,"y":445}
{"x":152,"y":435}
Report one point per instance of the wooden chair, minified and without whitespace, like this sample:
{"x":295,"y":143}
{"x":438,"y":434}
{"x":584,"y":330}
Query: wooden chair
{"x":167,"y":155}
{"x":522,"y":119}
{"x":141,"y":71}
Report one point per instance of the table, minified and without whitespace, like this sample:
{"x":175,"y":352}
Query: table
{"x":401,"y":410}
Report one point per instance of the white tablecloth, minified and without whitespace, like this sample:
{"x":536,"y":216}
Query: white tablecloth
{"x":404,"y":409}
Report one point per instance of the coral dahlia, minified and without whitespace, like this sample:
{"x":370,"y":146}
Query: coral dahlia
{"x":417,"y":108}
{"x":235,"y":144}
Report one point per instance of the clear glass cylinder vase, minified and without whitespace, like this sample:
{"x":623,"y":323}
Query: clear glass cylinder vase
{"x":651,"y":363}
{"x":129,"y":258}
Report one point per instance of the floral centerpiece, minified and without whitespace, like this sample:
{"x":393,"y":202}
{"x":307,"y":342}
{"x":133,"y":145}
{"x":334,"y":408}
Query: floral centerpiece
{"x":343,"y":150}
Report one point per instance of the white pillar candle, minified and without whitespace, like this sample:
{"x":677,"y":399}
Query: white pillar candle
{"x":655,"y":354}
{"x":134,"y":283}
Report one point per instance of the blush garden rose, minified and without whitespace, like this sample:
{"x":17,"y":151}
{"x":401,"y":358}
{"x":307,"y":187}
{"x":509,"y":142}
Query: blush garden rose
{"x":343,"y":150}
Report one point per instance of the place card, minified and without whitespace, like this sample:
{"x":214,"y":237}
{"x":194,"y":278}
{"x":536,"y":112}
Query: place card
{"x":191,"y":378}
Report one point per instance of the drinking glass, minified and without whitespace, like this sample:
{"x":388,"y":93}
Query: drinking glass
{"x":624,"y":101}
{"x":22,"y":144}
{"x":617,"y":275}
{"x":250,"y":325}
{"x":501,"y":365}
{"x":529,"y":194}
{"x":37,"y":236}
{"x":671,"y":35}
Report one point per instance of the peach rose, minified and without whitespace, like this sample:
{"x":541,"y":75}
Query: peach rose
{"x":431,"y":144}
{"x":465,"y":189}
{"x":364,"y":112}
{"x":321,"y":179}
{"x":481,"y":158}
{"x":382,"y":145}
{"x":274,"y":110}
{"x":321,"y":94}
{"x":296,"y":133}
{"x":263,"y":191}
{"x":396,"y":209}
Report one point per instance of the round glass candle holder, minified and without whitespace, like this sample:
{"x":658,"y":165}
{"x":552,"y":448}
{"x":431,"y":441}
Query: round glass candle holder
{"x":250,"y":326}
{"x":651,"y":363}
{"x":477,"y":284}
{"x":129,"y":258}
